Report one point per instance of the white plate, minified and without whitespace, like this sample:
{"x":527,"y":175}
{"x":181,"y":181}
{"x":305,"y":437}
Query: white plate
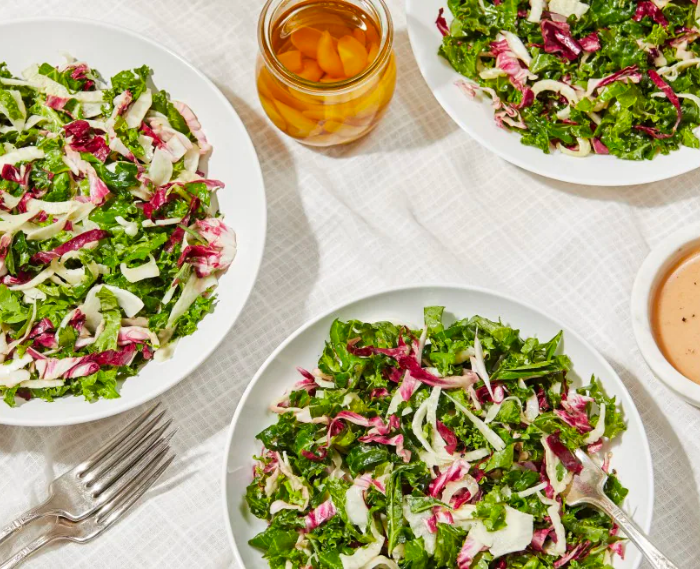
{"x":631,"y":458}
{"x":477,"y":120}
{"x":109,"y":50}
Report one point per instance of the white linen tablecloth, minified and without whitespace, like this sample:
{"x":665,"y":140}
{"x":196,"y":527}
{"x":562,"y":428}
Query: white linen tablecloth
{"x":416,"y":201}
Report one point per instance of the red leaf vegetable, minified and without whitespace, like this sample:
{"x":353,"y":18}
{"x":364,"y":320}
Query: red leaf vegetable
{"x":652,"y":11}
{"x":671,"y":96}
{"x":83,"y":140}
{"x":599,"y":147}
{"x":44,"y":257}
{"x":322,"y":453}
{"x":570,"y":462}
{"x":558,"y":39}
{"x":630,"y":73}
{"x":441,"y":23}
{"x":590,"y":43}
{"x":448,"y":436}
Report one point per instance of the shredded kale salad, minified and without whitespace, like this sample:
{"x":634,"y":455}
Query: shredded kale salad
{"x":110,"y":238}
{"x":446,"y":447}
{"x":615,"y":77}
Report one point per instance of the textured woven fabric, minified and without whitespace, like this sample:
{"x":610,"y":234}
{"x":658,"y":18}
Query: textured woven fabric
{"x":416,"y":201}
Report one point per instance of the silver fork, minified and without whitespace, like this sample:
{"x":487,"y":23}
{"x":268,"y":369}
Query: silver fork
{"x":588,"y":488}
{"x":106,"y":516}
{"x":81,"y":491}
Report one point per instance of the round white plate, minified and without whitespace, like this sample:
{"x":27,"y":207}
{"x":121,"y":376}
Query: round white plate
{"x":631,"y":457}
{"x":109,"y":50}
{"x":476,"y":118}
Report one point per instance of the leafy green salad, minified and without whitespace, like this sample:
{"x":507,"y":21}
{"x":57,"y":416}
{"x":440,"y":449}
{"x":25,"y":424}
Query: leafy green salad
{"x":616,"y":77}
{"x":450,"y":446}
{"x":110,"y":238}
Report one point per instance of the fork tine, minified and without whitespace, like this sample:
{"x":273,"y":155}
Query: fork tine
{"x":587,"y":461}
{"x":117,"y":439}
{"x":127,"y":484}
{"x":122,"y":448}
{"x":111,"y":467}
{"x":118,"y":506}
{"x":114,"y":483}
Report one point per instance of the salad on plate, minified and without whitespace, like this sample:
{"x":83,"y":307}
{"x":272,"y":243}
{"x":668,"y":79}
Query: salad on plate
{"x":111,"y":243}
{"x":616,"y":77}
{"x":450,"y":446}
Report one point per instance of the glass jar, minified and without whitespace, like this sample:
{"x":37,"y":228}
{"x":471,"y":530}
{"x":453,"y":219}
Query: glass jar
{"x":325,"y":112}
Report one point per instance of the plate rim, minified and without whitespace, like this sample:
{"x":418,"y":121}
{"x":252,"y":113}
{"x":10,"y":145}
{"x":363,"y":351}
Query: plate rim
{"x":659,"y":176}
{"x":401,"y":288}
{"x":246,"y":139}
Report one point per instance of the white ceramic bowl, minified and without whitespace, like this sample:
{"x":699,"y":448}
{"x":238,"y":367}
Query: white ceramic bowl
{"x":477,"y":120}
{"x":653,"y":269}
{"x":110,"y":49}
{"x":631,"y":455}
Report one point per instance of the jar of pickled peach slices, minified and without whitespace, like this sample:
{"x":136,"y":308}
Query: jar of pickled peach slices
{"x":326,"y":71}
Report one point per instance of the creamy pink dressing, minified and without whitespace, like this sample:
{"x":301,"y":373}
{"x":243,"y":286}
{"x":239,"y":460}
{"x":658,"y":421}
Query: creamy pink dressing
{"x":675,"y":316}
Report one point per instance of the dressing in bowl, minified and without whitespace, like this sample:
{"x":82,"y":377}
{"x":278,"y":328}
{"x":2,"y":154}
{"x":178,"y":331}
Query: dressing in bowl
{"x":675,"y":315}
{"x":666,"y":312}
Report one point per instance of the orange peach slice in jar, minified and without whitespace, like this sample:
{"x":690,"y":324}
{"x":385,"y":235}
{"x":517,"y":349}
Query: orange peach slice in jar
{"x":371,"y":35}
{"x":373,"y":51}
{"x":327,"y":56}
{"x":332,"y":126}
{"x":379,"y":92}
{"x":371,"y":43}
{"x":368,"y":105}
{"x":264,"y":82}
{"x":272,"y":112}
{"x":338,"y":108}
{"x":360,"y":36}
{"x":338,"y":30}
{"x":353,"y":55}
{"x":272,"y":89}
{"x":328,"y":79}
{"x":311,"y":71}
{"x":325,"y":113}
{"x":301,"y":126}
{"x":292,"y":60}
{"x":305,"y":101}
{"x":306,"y":41}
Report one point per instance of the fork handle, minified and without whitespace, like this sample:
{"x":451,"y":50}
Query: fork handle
{"x":18,"y":558}
{"x":27,"y":517}
{"x":657,"y":559}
